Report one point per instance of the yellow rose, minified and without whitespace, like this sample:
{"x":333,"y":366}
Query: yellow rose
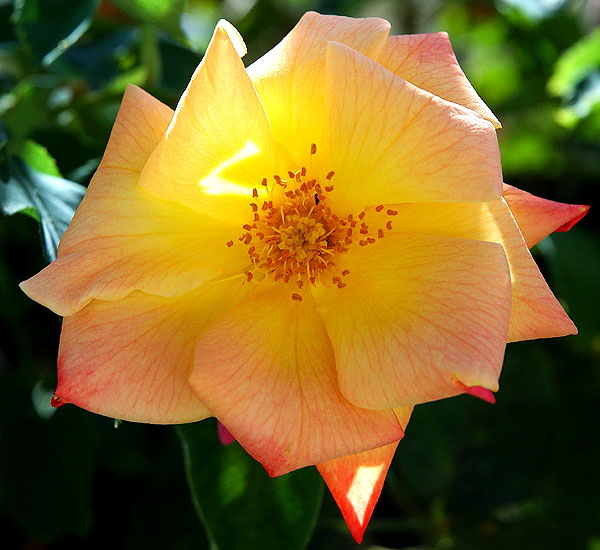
{"x":305,"y":249}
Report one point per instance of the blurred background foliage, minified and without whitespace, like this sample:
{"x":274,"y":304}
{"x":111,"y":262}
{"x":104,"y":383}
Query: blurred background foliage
{"x":523,"y":474}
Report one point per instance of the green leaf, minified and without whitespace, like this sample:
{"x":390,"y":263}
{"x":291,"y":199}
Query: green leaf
{"x":49,"y":199}
{"x":165,"y":14}
{"x":240,"y":505}
{"x":38,"y":158}
{"x":579,"y":61}
{"x":53,"y":26}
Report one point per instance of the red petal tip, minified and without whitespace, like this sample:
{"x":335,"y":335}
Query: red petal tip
{"x":566,"y":226}
{"x":481,"y":393}
{"x":56,"y":401}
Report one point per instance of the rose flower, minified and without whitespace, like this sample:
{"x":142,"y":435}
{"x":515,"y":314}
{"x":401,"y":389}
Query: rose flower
{"x":304,"y":249}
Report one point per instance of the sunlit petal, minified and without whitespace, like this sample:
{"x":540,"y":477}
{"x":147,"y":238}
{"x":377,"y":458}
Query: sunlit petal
{"x":291,"y":77}
{"x":389,"y":141}
{"x":131,"y":359}
{"x":267,"y":371}
{"x":123,"y":238}
{"x":219,"y":144}
{"x":427,"y":61}
{"x":414,"y":335}
{"x":355,"y":481}
{"x":535,"y":311}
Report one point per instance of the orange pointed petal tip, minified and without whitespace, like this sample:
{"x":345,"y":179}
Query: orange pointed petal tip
{"x":537,"y":217}
{"x":355,"y":482}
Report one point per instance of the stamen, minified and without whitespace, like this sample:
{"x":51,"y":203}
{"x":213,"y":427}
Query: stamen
{"x":294,"y":237}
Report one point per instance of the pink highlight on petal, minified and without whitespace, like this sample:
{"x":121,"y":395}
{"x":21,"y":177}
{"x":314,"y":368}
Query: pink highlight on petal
{"x":224,"y":436}
{"x":480,"y":392}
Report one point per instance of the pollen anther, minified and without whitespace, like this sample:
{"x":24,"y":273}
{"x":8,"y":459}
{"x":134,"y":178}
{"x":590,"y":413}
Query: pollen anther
{"x":295,"y":237}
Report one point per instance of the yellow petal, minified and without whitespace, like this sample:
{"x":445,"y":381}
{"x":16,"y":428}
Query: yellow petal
{"x":355,"y":481}
{"x":218,"y":146}
{"x":124,"y":238}
{"x":389,"y":141}
{"x":418,"y":314}
{"x":535,"y":311}
{"x":537,"y":217}
{"x":290,"y":79}
{"x":266,"y":370}
{"x":131,"y":359}
{"x":427,"y":61}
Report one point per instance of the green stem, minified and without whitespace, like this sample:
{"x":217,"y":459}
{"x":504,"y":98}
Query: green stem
{"x":150,"y":55}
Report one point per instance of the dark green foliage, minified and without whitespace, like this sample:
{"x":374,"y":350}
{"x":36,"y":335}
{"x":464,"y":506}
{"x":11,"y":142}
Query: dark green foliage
{"x":240,"y":505}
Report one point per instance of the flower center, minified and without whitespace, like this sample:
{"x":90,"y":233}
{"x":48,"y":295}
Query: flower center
{"x":295,"y":237}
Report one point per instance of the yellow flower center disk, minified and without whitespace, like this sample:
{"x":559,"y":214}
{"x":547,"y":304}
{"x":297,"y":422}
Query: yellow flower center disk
{"x":297,"y":238}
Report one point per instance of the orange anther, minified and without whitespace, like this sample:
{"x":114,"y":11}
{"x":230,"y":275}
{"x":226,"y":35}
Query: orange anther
{"x":296,"y":297}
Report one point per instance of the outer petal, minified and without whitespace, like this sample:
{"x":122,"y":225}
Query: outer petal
{"x":276,"y":390}
{"x":219,"y":144}
{"x":425,"y":313}
{"x":355,"y":481}
{"x":389,"y":141}
{"x":290,"y":79}
{"x":427,"y":61}
{"x":131,"y":359}
{"x":123,"y":238}
{"x":535,"y":312}
{"x":537,"y":217}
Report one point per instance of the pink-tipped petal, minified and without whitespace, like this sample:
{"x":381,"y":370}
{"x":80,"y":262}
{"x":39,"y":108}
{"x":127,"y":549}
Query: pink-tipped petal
{"x":537,"y":217}
{"x":391,"y":142}
{"x":355,"y":481}
{"x":267,"y":371}
{"x":131,"y":359}
{"x":417,"y":313}
{"x":290,"y":78}
{"x":427,"y":61}
{"x":479,"y":392}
